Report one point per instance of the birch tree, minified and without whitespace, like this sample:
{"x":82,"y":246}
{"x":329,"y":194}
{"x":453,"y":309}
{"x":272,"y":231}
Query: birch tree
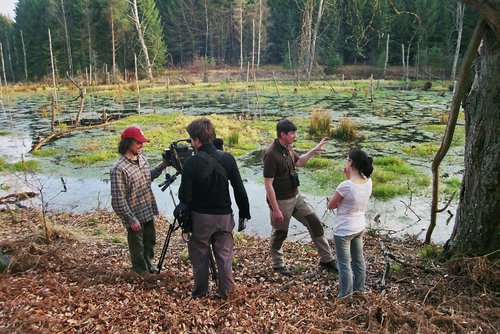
{"x":459,"y":24}
{"x":140,"y":34}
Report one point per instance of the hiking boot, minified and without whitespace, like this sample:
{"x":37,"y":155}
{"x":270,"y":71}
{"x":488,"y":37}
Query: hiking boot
{"x":283,"y":271}
{"x":329,"y":266}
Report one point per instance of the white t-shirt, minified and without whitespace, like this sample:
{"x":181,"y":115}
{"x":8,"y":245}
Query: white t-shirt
{"x":351,"y":210}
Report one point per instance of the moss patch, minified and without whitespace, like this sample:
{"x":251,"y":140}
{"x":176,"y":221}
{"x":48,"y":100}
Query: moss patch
{"x":29,"y":166}
{"x":47,"y":152}
{"x":92,"y":158}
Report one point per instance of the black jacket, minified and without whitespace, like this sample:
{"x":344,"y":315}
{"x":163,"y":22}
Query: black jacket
{"x":211,"y":195}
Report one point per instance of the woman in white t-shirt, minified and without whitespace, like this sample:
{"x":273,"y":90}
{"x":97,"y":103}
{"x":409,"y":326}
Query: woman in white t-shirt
{"x":351,"y":200}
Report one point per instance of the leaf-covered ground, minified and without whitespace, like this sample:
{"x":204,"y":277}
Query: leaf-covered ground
{"x":81,"y":282}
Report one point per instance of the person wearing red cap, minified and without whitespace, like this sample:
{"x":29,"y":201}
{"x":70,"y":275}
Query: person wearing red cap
{"x":133,"y":200}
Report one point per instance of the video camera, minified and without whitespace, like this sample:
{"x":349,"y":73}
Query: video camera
{"x":177,"y":153}
{"x":174,"y":156}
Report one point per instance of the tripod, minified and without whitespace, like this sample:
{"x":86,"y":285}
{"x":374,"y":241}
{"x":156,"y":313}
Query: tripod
{"x":175,"y":226}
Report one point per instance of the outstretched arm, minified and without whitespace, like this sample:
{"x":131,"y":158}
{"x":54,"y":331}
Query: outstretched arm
{"x":304,"y":158}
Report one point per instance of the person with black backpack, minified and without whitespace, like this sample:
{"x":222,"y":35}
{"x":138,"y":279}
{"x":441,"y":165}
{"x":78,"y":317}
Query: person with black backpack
{"x":205,"y":190}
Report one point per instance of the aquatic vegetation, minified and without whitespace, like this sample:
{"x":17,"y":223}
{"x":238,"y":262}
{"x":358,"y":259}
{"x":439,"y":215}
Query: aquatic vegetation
{"x":4,"y":132}
{"x":346,"y":130}
{"x":318,"y":162}
{"x":48,"y":152}
{"x":452,"y":185}
{"x":387,"y":191}
{"x":320,"y":122}
{"x":92,"y":157}
{"x":233,"y":139}
{"x":421,"y":150}
{"x":28,"y":166}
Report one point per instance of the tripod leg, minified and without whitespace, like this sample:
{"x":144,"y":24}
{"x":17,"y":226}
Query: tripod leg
{"x":213,"y":267}
{"x":165,"y":246}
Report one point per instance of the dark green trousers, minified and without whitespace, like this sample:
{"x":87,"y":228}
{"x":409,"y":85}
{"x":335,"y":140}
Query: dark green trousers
{"x":141,"y":245}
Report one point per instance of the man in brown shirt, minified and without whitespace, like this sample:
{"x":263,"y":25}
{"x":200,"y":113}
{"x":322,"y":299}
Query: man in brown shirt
{"x":285,"y":201}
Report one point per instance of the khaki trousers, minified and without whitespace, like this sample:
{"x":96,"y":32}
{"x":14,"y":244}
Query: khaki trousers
{"x":215,"y":231}
{"x":299,"y":209}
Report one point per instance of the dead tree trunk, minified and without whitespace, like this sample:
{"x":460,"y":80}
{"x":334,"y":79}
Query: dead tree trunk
{"x":314,"y":37}
{"x":81,"y":96}
{"x":54,"y":93}
{"x":477,"y":229}
{"x":3,"y":66}
{"x":137,"y":85}
{"x":113,"y":44}
{"x":253,"y":44}
{"x":240,"y":22}
{"x":259,"y":38}
{"x":403,"y":60}
{"x":25,"y":61}
{"x":13,"y":76}
{"x":68,"y":43}
{"x":459,"y":23}
{"x":386,"y":54}
{"x":142,"y":41}
{"x":452,"y":121}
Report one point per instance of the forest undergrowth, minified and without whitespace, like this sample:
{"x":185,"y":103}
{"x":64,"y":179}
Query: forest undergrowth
{"x":81,"y":282}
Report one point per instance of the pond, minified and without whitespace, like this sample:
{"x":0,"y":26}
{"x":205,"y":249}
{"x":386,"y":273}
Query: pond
{"x":403,"y":124}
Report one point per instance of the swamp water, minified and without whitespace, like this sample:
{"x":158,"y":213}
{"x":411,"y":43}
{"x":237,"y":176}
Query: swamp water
{"x":392,"y":125}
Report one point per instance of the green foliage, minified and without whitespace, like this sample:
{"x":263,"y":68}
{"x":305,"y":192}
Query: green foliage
{"x":452,"y":185}
{"x":29,"y":166}
{"x":396,"y":267}
{"x":92,"y":157}
{"x":333,"y":61}
{"x":153,"y":32}
{"x":233,"y":139}
{"x":346,"y":130}
{"x":47,"y":152}
{"x":318,"y":162}
{"x":421,"y":150}
{"x":184,"y":256}
{"x":4,"y":132}
{"x":430,"y":252}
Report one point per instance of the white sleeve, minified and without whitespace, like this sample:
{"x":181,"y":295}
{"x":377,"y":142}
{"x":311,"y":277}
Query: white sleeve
{"x":344,"y":189}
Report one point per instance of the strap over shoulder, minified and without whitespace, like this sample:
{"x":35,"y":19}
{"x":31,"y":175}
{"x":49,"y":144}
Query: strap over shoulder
{"x":213,"y":163}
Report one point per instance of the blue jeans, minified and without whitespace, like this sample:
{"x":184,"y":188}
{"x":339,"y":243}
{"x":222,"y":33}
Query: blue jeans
{"x":351,"y":263}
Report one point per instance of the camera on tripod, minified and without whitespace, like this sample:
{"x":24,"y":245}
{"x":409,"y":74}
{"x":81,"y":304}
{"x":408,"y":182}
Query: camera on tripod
{"x":174,"y":156}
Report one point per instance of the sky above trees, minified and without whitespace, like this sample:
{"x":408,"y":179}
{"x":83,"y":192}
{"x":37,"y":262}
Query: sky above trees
{"x":7,"y":8}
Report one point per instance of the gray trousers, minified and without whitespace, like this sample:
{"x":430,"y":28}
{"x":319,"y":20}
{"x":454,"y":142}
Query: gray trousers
{"x":215,"y":231}
{"x":351,"y":263}
{"x":299,"y":209}
{"x":141,"y":245}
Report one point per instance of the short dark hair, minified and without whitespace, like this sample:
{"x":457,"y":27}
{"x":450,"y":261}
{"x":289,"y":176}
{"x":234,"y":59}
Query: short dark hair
{"x":285,"y":125}
{"x":202,"y":129}
{"x":124,"y":145}
{"x":362,"y":162}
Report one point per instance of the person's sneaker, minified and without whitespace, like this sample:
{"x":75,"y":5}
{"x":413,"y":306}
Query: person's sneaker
{"x":329,"y":266}
{"x":283,"y":271}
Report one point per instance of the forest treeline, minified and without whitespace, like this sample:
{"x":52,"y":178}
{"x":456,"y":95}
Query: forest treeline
{"x":315,"y":36}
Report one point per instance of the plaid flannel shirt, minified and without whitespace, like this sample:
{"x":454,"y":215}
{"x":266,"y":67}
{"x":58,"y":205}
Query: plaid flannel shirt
{"x":132,"y":198}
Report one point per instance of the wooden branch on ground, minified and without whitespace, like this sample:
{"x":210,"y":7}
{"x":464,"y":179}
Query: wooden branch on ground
{"x":17,"y":197}
{"x":404,"y":263}
{"x":62,"y":133}
{"x":387,"y":268}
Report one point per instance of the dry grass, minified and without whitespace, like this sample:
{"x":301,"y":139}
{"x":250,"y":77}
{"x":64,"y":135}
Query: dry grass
{"x":320,"y":122}
{"x":346,"y":130}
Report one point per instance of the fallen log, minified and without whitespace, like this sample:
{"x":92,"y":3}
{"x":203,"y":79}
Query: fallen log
{"x":62,"y":133}
{"x":17,"y":197}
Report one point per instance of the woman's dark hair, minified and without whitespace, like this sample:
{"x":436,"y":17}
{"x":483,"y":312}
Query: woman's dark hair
{"x":202,"y":129}
{"x":124,"y":145}
{"x":362,"y":162}
{"x":285,"y":125}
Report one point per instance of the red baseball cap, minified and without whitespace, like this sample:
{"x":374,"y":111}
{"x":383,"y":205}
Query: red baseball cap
{"x":134,"y":133}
